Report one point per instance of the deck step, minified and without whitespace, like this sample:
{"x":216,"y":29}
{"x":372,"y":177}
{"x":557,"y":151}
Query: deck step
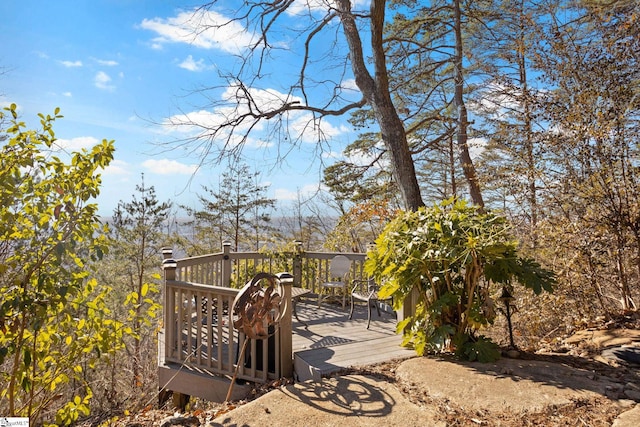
{"x":315,"y":363}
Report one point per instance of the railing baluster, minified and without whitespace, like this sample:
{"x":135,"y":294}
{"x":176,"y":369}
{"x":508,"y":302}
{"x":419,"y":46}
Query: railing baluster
{"x":180,"y":328}
{"x":199,"y":330}
{"x":208,"y":318}
{"x":220,"y":321}
{"x":277,"y":355}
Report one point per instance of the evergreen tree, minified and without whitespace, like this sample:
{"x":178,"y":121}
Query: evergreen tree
{"x":238,"y":210}
{"x":433,"y":62}
{"x":136,"y":241}
{"x":509,"y":114}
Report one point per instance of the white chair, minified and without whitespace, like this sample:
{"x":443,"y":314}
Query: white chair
{"x":338,"y":269}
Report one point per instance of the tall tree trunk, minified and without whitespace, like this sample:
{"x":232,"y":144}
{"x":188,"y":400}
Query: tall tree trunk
{"x":625,"y":295}
{"x":375,"y":90}
{"x":528,"y":130}
{"x":452,"y":167}
{"x":637,"y":237}
{"x":463,"y":120}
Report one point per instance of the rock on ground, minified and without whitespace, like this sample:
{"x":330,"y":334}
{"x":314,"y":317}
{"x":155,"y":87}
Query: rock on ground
{"x":508,"y":384}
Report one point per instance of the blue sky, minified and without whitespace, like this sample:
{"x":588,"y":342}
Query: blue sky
{"x":119,"y":69}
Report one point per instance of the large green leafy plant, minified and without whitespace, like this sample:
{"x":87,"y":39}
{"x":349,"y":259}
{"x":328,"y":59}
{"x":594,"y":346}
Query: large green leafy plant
{"x":450,"y":260}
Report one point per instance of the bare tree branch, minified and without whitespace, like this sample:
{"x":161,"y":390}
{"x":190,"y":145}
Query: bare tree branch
{"x":227,"y":124}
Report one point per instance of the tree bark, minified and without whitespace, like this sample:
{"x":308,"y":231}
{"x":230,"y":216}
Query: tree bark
{"x":375,"y":90}
{"x":528,"y":130}
{"x":463,"y":120}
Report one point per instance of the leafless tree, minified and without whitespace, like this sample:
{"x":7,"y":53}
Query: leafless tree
{"x":336,"y":37}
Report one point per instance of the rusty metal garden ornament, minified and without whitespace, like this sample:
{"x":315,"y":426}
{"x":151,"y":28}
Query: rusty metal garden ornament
{"x":256,"y":309}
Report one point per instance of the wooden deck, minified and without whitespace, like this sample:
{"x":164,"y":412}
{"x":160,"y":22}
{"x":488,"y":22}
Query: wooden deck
{"x":198,"y":353}
{"x":331,"y":342}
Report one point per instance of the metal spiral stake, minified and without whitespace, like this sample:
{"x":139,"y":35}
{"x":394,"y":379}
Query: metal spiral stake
{"x":256,"y":309}
{"x":507,"y":300}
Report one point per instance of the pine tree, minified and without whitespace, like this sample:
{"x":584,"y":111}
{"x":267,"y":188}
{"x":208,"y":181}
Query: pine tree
{"x":136,"y":241}
{"x":238,"y":210}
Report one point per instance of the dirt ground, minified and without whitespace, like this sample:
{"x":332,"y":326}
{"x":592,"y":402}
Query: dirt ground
{"x":577,"y":387}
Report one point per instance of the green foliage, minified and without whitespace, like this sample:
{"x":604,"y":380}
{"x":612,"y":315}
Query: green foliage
{"x":473,"y":349}
{"x":143,"y":308}
{"x":136,"y":241}
{"x":288,"y":257}
{"x":53,"y":321}
{"x":237,"y":211}
{"x":451,"y":258}
{"x":74,"y":409}
{"x":282,"y":257}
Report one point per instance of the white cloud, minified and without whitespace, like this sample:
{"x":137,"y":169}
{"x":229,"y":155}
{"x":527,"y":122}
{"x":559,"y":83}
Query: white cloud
{"x":118,"y":168}
{"x":331,"y":155}
{"x":71,"y":64}
{"x":304,"y":192}
{"x":5,"y":103}
{"x":308,"y":130}
{"x":106,"y":62}
{"x":77,"y":144}
{"x":102,"y":81}
{"x":191,"y":65}
{"x":197,"y":125}
{"x":261,"y":143}
{"x":285,"y":194}
{"x":169,"y":167}
{"x":350,"y":85}
{"x":476,"y":146}
{"x":201,"y":28}
{"x":361,"y":158}
{"x":301,"y":124}
{"x":498,"y":100}
{"x":190,"y":123}
{"x":67,"y":94}
{"x":300,"y":7}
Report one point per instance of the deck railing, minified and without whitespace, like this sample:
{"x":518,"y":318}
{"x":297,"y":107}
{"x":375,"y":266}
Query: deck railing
{"x":198,"y":319}
{"x":234,"y":269}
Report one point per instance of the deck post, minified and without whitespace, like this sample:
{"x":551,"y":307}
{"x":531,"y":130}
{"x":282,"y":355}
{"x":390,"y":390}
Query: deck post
{"x":226,"y":264}
{"x":168,"y":263}
{"x":409,"y":304}
{"x":286,"y":328}
{"x":169,"y":266}
{"x":167,"y":253}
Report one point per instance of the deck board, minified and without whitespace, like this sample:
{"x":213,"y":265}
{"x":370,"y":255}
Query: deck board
{"x":332,"y":342}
